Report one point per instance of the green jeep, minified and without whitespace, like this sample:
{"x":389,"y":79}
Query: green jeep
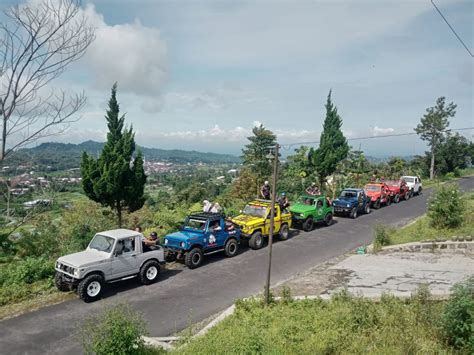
{"x":310,"y":210}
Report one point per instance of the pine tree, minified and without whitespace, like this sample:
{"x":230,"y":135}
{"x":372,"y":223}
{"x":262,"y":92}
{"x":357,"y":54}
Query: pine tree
{"x":115,"y":179}
{"x":254,"y":155}
{"x":333,"y":147}
{"x":433,"y":127}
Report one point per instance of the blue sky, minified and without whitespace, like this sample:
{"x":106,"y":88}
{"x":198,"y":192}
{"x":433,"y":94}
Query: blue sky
{"x":199,"y":74}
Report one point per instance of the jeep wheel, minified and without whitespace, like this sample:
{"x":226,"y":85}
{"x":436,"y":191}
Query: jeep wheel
{"x":60,"y":284}
{"x":149,"y":272}
{"x":388,"y":201}
{"x":308,"y":224}
{"x":256,"y":241}
{"x":328,"y":219}
{"x":193,"y":258}
{"x":419,"y":190}
{"x":284,"y":232}
{"x":407,"y":195}
{"x":377,"y":204}
{"x":367,"y":208}
{"x":90,"y":288}
{"x":353,"y":213}
{"x":396,"y":199}
{"x":231,"y":248}
{"x":412,"y":193}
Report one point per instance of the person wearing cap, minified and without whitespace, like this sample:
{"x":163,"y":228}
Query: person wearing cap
{"x":283,"y":201}
{"x":151,"y":240}
{"x":265,"y":191}
{"x":313,"y":190}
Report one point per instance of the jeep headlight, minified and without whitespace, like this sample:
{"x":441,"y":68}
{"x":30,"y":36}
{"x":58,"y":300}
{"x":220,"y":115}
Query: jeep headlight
{"x":76,"y":273}
{"x":301,"y":214}
{"x":348,"y":205}
{"x":182,"y":244}
{"x":166,"y":241}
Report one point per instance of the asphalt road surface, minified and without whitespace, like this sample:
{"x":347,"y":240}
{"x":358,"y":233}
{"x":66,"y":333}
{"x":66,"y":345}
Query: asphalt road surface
{"x":185,"y":296}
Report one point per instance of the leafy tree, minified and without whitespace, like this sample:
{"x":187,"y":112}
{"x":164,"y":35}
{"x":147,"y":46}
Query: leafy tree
{"x":453,"y":154}
{"x":446,"y":207}
{"x":433,"y":127}
{"x":333,"y":147}
{"x":254,"y":154}
{"x":115,"y":179}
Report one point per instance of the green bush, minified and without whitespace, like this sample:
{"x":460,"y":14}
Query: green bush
{"x":446,"y":207}
{"x":458,"y":317}
{"x":381,"y":236}
{"x":26,"y":271}
{"x":116,"y":331}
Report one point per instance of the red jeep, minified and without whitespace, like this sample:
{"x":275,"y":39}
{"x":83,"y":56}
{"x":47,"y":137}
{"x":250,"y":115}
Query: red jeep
{"x":379,"y":194}
{"x":398,"y":189}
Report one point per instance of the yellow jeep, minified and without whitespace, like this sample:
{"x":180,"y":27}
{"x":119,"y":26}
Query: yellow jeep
{"x":254,"y":222}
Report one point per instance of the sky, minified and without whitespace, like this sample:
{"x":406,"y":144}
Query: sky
{"x":200,"y":74}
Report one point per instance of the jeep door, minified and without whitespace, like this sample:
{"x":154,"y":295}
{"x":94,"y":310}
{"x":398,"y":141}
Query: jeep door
{"x":216,"y":235}
{"x":124,"y":259}
{"x":318,"y":205}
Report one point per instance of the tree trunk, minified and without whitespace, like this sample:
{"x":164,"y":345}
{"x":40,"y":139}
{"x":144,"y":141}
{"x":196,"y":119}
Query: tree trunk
{"x":4,"y":138}
{"x":432,"y":163}
{"x":119,"y":215}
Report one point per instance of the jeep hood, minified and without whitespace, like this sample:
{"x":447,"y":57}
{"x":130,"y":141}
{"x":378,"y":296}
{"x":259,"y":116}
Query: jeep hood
{"x":343,"y":201}
{"x":84,"y":258}
{"x":183,"y":236}
{"x":301,"y":208}
{"x":247,"y":220}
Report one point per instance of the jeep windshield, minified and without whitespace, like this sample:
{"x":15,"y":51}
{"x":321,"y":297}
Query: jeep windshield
{"x":392,"y":182}
{"x":102,"y":243}
{"x":255,"y":211}
{"x":372,"y":188}
{"x":196,"y":224}
{"x":348,"y":194}
{"x":409,"y":179}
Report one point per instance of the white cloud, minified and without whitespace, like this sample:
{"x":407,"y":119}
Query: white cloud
{"x":376,"y":131}
{"x":132,"y":54}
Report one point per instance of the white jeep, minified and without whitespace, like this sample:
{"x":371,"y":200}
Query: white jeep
{"x":414,"y":184}
{"x":111,"y":256}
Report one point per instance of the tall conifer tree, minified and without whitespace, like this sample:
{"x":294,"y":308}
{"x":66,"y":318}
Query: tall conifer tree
{"x":115,"y":179}
{"x":333,"y":146}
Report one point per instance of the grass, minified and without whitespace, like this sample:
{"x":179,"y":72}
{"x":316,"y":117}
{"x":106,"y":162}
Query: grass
{"x":341,"y":325}
{"x":449,"y":177}
{"x":421,"y":229}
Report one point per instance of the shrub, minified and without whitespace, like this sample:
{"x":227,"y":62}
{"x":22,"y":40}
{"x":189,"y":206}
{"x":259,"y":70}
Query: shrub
{"x":26,"y":271}
{"x":458,"y":317}
{"x":381,"y":236}
{"x":446,"y":207}
{"x":116,"y":331}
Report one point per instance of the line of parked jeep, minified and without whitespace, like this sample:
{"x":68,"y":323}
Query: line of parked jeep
{"x":121,"y":254}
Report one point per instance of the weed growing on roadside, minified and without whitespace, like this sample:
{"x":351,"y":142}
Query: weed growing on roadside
{"x":446,"y":207}
{"x":381,"y":237}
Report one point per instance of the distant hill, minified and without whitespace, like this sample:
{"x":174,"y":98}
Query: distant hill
{"x":61,"y":156}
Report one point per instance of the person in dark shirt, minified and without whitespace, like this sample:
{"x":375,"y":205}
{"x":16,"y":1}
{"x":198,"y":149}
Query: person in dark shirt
{"x":283,"y":201}
{"x":313,"y":190}
{"x":265,"y":191}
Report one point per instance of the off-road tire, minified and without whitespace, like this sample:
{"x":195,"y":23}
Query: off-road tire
{"x":86,"y":289}
{"x":284,"y":232}
{"x":396,"y":199}
{"x":420,"y":189}
{"x":353,"y":213}
{"x":256,"y":241}
{"x":377,"y":204}
{"x":328,"y":219}
{"x":388,"y":202}
{"x":407,"y":195}
{"x":308,"y":224}
{"x":149,"y":272}
{"x":231,"y":248}
{"x":60,"y":284}
{"x":194,"y":258}
{"x":412,"y":193}
{"x":367,"y":208}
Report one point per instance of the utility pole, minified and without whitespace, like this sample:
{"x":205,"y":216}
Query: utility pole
{"x":272,"y":219}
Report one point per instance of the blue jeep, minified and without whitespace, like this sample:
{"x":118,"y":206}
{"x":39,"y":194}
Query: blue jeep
{"x":351,"y":202}
{"x":202,"y":233}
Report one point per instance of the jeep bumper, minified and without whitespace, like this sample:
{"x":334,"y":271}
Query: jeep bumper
{"x":342,"y":209}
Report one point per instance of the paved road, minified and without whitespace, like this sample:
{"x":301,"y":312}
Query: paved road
{"x":186,"y":296}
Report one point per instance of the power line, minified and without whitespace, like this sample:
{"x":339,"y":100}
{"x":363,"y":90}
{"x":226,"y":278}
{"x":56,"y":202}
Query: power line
{"x":289,"y":145}
{"x":452,"y":29}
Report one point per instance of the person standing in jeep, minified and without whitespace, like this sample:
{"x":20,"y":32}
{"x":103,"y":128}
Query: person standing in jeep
{"x":265,"y":191}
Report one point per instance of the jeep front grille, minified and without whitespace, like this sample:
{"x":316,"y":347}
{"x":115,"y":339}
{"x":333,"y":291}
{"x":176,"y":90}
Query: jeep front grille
{"x":65,"y":268}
